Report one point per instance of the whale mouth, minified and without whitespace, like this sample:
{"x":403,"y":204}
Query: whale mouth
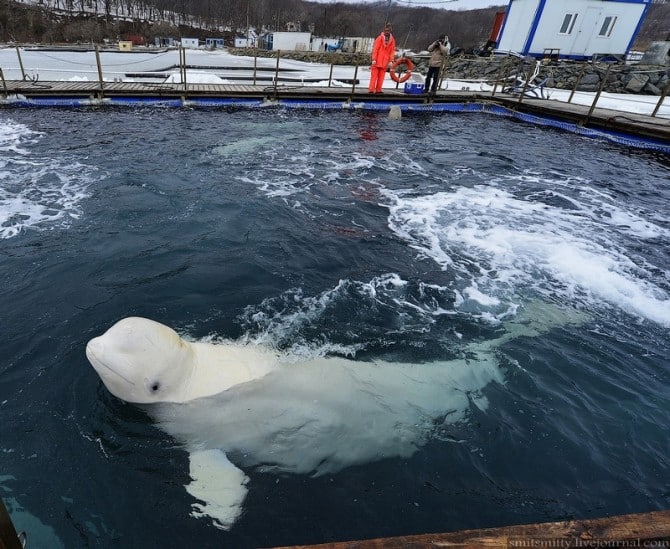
{"x":98,"y":363}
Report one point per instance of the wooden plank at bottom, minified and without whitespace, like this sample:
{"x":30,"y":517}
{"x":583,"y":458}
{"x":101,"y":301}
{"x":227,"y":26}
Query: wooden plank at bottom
{"x":9,"y":539}
{"x":637,"y":530}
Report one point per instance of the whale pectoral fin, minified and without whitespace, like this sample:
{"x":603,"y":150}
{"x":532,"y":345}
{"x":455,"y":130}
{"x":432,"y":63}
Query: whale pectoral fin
{"x":218,"y":485}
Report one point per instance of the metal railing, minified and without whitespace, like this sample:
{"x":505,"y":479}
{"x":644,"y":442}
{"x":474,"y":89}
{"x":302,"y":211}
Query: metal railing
{"x":525,"y":81}
{"x":515,"y":77}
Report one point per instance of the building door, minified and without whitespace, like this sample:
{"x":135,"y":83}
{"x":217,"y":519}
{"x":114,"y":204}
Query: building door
{"x":585,"y":32}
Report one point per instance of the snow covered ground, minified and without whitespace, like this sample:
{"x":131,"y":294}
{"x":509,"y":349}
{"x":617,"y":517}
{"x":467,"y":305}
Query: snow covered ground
{"x":630,"y":103}
{"x":220,"y":67}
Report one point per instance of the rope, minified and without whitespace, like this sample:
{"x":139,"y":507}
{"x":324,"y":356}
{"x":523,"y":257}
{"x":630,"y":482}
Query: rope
{"x":70,"y":62}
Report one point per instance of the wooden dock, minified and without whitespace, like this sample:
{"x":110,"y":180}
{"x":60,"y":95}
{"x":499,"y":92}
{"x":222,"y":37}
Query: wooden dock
{"x":13,"y":92}
{"x":637,"y":530}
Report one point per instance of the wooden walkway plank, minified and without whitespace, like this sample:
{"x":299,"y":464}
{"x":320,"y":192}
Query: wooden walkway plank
{"x":636,"y":530}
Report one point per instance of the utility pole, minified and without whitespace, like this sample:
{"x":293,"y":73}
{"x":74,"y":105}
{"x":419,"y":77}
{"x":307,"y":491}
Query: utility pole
{"x":247,"y":40}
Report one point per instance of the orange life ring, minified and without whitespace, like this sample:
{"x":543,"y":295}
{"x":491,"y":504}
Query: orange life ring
{"x":405,"y":76}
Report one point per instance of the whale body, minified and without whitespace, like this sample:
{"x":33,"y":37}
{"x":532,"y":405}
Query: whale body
{"x":236,"y":407}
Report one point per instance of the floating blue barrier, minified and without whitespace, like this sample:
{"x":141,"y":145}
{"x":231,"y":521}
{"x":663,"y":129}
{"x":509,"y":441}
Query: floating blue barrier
{"x":330,"y":105}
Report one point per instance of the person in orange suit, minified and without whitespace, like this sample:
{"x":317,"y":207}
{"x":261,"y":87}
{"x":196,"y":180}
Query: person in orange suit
{"x":383,"y":52}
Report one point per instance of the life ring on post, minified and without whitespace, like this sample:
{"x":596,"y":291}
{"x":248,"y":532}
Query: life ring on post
{"x":400,"y":78}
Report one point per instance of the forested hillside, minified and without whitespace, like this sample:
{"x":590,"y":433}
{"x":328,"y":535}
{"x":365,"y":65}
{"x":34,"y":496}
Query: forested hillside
{"x":50,"y":21}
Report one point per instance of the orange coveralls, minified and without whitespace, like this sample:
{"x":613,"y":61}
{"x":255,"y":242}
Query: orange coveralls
{"x":383,"y":53}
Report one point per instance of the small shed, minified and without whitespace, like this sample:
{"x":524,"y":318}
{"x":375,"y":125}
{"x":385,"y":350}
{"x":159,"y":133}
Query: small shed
{"x":287,"y":41}
{"x":190,"y":43}
{"x":214,"y":43}
{"x":358,"y":44}
{"x":164,"y":41}
{"x":125,"y":45}
{"x":574,"y":29}
{"x":241,"y":42}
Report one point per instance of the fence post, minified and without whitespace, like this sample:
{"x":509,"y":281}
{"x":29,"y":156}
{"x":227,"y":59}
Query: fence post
{"x":353,"y":85}
{"x":277,"y":73}
{"x":23,"y":72}
{"x":525,"y":86}
{"x":255,"y":60}
{"x":100,"y":80}
{"x":182,"y":69}
{"x":603,"y":82}
{"x":4,"y":84}
{"x":499,"y":78}
{"x":577,"y":82}
{"x":330,"y":76}
{"x":660,"y":101}
{"x":441,"y":75}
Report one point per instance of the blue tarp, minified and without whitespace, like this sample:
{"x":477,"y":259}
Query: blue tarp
{"x":369,"y":106}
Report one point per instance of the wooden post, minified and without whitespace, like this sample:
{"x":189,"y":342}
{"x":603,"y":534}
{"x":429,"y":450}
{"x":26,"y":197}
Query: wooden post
{"x":577,"y":82}
{"x":100,"y":80}
{"x":330,"y":76}
{"x":277,"y":73}
{"x":255,"y":59}
{"x":4,"y":84}
{"x":182,"y":69}
{"x":525,"y":86}
{"x":603,"y":82}
{"x":23,"y":72}
{"x":181,"y":66}
{"x":440,"y":75}
{"x":660,"y":101}
{"x":353,"y":85}
{"x":498,"y":78}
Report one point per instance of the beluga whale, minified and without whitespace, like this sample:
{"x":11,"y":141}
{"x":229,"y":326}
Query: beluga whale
{"x":239,"y":407}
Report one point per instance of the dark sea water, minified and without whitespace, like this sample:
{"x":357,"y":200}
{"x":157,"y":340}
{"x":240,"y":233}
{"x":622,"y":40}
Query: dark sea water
{"x":329,"y":233}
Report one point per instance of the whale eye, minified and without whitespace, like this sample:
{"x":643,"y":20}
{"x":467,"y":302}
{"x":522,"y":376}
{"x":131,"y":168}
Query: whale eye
{"x":155,"y":386}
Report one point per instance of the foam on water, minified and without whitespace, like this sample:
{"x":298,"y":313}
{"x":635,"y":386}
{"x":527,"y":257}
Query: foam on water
{"x":382,"y":308}
{"x":293,"y":168}
{"x":304,"y":169}
{"x":37,"y":191}
{"x":567,"y":244}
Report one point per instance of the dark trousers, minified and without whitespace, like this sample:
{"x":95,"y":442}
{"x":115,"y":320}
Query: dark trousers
{"x":433,"y":76}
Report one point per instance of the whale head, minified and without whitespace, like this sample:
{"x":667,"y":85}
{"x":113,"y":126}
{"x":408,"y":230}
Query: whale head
{"x":142,"y":361}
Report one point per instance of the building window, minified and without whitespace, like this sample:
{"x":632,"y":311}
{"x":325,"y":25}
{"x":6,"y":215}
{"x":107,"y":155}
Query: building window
{"x":568,"y":23}
{"x":608,"y":25}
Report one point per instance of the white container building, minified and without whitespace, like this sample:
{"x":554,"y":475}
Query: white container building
{"x":286,"y":41}
{"x":574,"y":29}
{"x":192,"y":43}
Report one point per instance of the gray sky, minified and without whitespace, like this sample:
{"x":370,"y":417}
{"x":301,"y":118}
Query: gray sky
{"x":438,"y":4}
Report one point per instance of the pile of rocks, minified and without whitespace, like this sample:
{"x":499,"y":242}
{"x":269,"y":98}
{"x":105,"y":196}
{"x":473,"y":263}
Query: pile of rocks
{"x":587,"y":76}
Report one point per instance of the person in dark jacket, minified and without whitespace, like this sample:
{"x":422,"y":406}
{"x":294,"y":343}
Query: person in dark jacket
{"x":438,"y":52}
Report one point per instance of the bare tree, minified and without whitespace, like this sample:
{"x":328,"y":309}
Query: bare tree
{"x":413,"y":27}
